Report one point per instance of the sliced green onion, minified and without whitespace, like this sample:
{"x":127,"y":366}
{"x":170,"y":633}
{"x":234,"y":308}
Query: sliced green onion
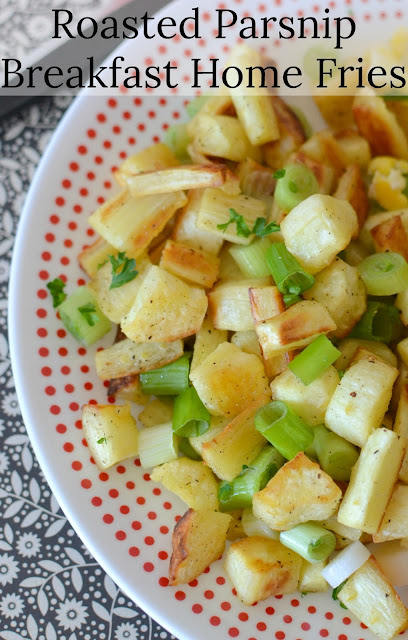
{"x":345,"y":563}
{"x":77,"y":324}
{"x":309,"y":540}
{"x":187,"y":450}
{"x":169,"y":380}
{"x":336,"y":455}
{"x":380,"y":322}
{"x":314,"y":360}
{"x":307,"y":127}
{"x":296,"y":185}
{"x":238,"y":493}
{"x":384,"y":274}
{"x":195,"y":105}
{"x":289,"y":276}
{"x":251,"y":258}
{"x":291,"y":298}
{"x":190,"y":417}
{"x":253,"y":526}
{"x":177,"y":140}
{"x":283,"y":428}
{"x":157,"y":445}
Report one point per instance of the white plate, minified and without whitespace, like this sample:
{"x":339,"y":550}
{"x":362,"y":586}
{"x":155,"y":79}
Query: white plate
{"x":124,"y":519}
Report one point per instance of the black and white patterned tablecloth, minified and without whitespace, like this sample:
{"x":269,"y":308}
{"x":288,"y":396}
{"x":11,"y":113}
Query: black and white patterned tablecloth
{"x":50,"y":586}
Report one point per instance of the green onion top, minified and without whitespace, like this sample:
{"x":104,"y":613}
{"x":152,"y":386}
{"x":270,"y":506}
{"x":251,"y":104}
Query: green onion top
{"x":190,"y":417}
{"x":289,"y":276}
{"x":380,"y":322}
{"x":283,"y":428}
{"x":314,"y":360}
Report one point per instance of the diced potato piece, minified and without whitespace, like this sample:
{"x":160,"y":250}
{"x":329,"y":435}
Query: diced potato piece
{"x":291,"y":135}
{"x":371,"y":597}
{"x":253,"y":107}
{"x":300,"y":491}
{"x":127,"y":388}
{"x":401,"y":428}
{"x":125,"y":358}
{"x":130,"y":224}
{"x":237,"y":444}
{"x":111,"y":433}
{"x":198,"y":539}
{"x":158,"y":411}
{"x":186,"y":230}
{"x":230,"y":306}
{"x":309,"y":402}
{"x":115,"y":303}
{"x":332,"y":524}
{"x":236,"y":530}
{"x":154,"y":158}
{"x":214,"y":211}
{"x":379,"y":218}
{"x":266,"y":303}
{"x":380,"y":127}
{"x":361,"y":400}
{"x":317,"y":229}
{"x":256,"y":180}
{"x":194,"y":176}
{"x":229,"y":380}
{"x":194,"y":265}
{"x":402,"y":348}
{"x":340,"y":289}
{"x":349,"y":346}
{"x":94,"y":255}
{"x":311,"y":578}
{"x":390,"y":235}
{"x":355,"y":148}
{"x":165,"y":309}
{"x":191,"y":480}
{"x":277,"y":364}
{"x":335,"y":109}
{"x":222,"y":137}
{"x":394,"y":525}
{"x":207,"y":340}
{"x":372,"y":481}
{"x":351,"y":187}
{"x":260,"y":567}
{"x":323,"y":147}
{"x":402,"y":304}
{"x":296,"y":327}
{"x":247,"y":341}
{"x":217,"y":424}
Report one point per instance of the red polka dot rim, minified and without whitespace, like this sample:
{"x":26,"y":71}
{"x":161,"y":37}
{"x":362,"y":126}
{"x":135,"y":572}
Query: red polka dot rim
{"x":124,"y":518}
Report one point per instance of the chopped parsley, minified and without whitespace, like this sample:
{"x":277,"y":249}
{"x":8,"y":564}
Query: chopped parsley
{"x":335,"y":594}
{"x":260,"y":228}
{"x":101,"y":441}
{"x":56,"y":288}
{"x":89,"y":313}
{"x":123,"y":270}
{"x":242,"y":227}
{"x":280,"y":173}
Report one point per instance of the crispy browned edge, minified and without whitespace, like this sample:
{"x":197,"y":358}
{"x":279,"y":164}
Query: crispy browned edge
{"x":390,"y":235}
{"x":179,"y":544}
